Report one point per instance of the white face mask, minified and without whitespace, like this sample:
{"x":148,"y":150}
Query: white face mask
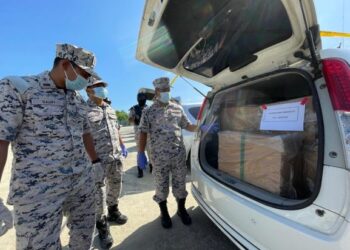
{"x":78,"y":83}
{"x":164,"y":97}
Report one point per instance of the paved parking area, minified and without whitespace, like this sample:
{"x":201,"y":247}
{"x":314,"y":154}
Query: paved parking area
{"x":143,"y":230}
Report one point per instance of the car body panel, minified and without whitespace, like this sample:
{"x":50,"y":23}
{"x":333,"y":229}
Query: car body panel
{"x":315,"y":231}
{"x":258,"y":227}
{"x":269,"y":59}
{"x":187,"y":135}
{"x":324,"y":222}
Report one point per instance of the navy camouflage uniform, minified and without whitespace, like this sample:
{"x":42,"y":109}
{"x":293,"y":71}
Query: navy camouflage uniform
{"x":132,"y":115}
{"x":163,"y":125}
{"x":51,"y":171}
{"x":104,"y":126}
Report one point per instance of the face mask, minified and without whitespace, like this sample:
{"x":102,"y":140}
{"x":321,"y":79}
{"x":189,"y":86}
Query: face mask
{"x":78,"y":84}
{"x":164,"y":97}
{"x":100,"y":92}
{"x":142,"y":102}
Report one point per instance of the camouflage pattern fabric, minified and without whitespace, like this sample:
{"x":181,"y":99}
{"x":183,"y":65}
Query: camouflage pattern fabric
{"x":161,"y":83}
{"x":113,"y":179}
{"x":104,"y":126}
{"x":132,"y":114}
{"x":45,"y":125}
{"x":81,"y":57}
{"x":163,"y":125}
{"x":38,"y":224}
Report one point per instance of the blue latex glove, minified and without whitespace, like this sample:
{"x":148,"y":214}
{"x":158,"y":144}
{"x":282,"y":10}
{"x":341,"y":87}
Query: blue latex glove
{"x":210,"y":128}
{"x":124,"y":150}
{"x":142,"y":160}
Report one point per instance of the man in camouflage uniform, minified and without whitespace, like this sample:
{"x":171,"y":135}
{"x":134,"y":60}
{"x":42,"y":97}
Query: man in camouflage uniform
{"x":135,"y":114}
{"x":44,"y":119}
{"x":111,"y":150}
{"x":163,"y":122}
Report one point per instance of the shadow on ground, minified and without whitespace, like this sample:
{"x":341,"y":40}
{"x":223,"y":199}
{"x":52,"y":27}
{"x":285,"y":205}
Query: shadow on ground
{"x":134,"y":185}
{"x":152,"y":236}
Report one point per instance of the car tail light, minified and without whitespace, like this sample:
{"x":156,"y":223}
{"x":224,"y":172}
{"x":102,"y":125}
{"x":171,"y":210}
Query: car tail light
{"x":337,"y":74}
{"x":200,"y":113}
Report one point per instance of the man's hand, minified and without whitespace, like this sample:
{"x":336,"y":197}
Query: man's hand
{"x":210,"y":128}
{"x":6,"y":220}
{"x":124,"y":150}
{"x":99,"y":174}
{"x":142,"y":160}
{"x":191,"y":128}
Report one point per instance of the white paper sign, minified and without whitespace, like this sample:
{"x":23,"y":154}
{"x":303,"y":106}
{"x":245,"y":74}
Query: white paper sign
{"x":283,"y":117}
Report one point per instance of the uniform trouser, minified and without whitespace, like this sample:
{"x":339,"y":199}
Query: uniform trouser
{"x":162,"y":167}
{"x":113,"y":180}
{"x":38,"y":224}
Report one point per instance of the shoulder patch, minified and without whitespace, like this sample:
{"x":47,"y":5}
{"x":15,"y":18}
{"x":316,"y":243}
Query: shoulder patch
{"x":19,"y":83}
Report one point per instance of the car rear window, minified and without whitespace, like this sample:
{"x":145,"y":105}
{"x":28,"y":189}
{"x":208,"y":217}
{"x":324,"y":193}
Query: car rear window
{"x":228,"y":33}
{"x":270,"y":163}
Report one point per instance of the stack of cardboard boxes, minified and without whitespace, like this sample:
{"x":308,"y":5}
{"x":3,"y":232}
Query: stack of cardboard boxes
{"x":271,"y":160}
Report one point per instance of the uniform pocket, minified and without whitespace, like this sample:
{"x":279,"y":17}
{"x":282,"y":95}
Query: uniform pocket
{"x":48,"y":120}
{"x":112,"y":115}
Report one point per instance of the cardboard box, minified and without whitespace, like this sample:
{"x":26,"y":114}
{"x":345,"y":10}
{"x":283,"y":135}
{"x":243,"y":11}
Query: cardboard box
{"x":247,"y":118}
{"x":281,"y":162}
{"x":257,"y":159}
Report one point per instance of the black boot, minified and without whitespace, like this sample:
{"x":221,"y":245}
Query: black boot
{"x":165,"y":218}
{"x":150,"y":168}
{"x":181,"y":211}
{"x":103,"y":233}
{"x":140,"y":173}
{"x":114,"y":215}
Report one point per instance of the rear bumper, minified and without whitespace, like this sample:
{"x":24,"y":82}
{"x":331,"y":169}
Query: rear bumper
{"x":234,"y":236}
{"x":288,"y":236}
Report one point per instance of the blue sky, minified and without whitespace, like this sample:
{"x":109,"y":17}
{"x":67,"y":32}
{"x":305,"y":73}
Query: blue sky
{"x":29,"y":31}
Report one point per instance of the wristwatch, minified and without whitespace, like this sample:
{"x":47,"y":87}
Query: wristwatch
{"x":96,"y":161}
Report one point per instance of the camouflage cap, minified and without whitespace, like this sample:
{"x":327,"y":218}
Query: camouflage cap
{"x":161,"y":83}
{"x":81,"y":57}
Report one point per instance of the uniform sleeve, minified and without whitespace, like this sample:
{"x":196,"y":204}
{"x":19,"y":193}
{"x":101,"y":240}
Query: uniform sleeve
{"x":184,"y":122}
{"x":117,"y":121}
{"x":144,"y":126}
{"x":85,"y":110}
{"x":11,"y":113}
{"x":86,"y":126}
{"x":132,"y":113}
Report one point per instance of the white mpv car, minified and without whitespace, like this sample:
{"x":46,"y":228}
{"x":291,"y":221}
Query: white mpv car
{"x":191,"y":111}
{"x":272,"y":168}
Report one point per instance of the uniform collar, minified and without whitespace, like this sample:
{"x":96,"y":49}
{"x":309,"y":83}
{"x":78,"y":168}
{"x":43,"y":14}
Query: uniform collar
{"x":159,"y":104}
{"x":45,"y":81}
{"x":92,"y":104}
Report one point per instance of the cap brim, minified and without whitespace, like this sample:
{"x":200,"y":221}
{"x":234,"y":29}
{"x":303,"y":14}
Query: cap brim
{"x":99,"y":82}
{"x":91,"y":72}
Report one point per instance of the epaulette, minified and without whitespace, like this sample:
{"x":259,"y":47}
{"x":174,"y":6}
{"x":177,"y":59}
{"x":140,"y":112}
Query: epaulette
{"x":19,"y":83}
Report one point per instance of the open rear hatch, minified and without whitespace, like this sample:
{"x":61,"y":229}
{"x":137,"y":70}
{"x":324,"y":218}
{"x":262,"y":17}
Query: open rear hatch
{"x":220,"y":42}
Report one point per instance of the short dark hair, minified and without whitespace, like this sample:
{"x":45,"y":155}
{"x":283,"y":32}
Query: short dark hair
{"x":58,"y":59}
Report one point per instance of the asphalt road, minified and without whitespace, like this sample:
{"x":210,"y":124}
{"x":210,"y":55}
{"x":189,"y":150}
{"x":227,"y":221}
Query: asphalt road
{"x":143,"y":230}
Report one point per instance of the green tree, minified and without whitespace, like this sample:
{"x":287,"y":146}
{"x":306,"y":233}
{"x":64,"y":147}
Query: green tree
{"x":122,"y":117}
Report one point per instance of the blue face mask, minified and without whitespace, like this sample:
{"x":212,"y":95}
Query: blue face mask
{"x":78,"y":84}
{"x":164,"y":97}
{"x":100,"y":92}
